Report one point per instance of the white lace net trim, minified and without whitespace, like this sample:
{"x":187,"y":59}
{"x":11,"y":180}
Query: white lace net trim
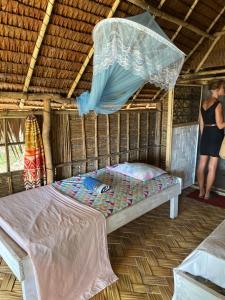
{"x":137,"y":49}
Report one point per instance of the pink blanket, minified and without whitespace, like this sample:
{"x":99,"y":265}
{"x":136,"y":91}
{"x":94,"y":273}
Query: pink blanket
{"x":65,"y":240}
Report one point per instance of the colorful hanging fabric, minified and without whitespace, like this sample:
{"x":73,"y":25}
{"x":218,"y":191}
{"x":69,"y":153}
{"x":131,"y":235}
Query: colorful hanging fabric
{"x":34,"y":160}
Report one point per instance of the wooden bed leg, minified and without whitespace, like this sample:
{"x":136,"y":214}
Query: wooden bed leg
{"x":173,"y":207}
{"x":28,"y":284}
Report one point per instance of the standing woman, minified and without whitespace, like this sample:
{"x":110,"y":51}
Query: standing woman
{"x":211,"y":127}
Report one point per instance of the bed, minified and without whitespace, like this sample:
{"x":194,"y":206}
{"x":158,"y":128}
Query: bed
{"x":127,"y":200}
{"x":206,"y":262}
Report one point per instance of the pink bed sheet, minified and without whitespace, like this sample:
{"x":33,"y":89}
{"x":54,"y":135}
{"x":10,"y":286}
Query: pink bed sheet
{"x":65,"y":240}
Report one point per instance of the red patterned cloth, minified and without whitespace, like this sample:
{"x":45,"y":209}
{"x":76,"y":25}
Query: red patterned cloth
{"x":34,"y":159}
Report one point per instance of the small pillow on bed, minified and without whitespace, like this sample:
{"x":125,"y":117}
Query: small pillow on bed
{"x":138,"y":171}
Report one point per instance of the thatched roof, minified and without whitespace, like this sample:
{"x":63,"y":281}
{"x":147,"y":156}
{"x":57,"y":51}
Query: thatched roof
{"x":61,"y":31}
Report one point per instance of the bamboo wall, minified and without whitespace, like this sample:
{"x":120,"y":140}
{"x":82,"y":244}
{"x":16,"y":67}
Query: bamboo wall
{"x":98,"y":141}
{"x":11,"y":183}
{"x":92,"y":142}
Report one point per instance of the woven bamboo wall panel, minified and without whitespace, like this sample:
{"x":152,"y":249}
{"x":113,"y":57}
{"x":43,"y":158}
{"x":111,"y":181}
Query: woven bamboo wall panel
{"x":11,"y":183}
{"x":61,"y":141}
{"x":144,"y":138}
{"x":134,"y":132}
{"x":76,"y":137}
{"x":114,"y":129}
{"x":93,"y":142}
{"x":186,"y":104}
{"x":111,"y":139}
{"x":90,"y":135}
{"x":152,"y":137}
{"x":4,"y":185}
{"x":124,"y":133}
{"x":101,"y":134}
{"x":17,"y":181}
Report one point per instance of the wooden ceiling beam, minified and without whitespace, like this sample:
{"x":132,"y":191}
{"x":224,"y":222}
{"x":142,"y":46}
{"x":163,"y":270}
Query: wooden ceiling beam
{"x":38,"y":44}
{"x":33,"y":97}
{"x":201,"y":79}
{"x":212,"y":46}
{"x":185,"y":19}
{"x":161,"y":4}
{"x":140,"y":89}
{"x":90,"y":54}
{"x":209,"y":72}
{"x":219,"y":33}
{"x":157,"y":12}
{"x":202,"y":38}
{"x":37,"y":48}
{"x":177,"y":32}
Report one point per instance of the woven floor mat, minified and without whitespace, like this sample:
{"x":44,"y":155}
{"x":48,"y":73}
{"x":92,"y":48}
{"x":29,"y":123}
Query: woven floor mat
{"x":144,"y":252}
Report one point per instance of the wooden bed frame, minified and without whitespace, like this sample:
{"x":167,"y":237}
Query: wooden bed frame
{"x":20,"y":264}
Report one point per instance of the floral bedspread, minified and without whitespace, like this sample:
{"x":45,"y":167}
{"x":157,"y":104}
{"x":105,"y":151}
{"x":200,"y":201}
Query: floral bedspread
{"x":125,"y":191}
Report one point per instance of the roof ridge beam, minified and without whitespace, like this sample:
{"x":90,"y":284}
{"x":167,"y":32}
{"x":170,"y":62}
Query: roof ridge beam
{"x":157,"y":12}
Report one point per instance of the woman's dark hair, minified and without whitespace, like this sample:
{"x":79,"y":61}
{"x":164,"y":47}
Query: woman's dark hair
{"x":216,"y":84}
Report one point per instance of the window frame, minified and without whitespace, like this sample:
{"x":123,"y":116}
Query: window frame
{"x":6,"y":144}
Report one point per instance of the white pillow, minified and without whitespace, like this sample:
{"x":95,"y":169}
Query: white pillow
{"x":138,"y":171}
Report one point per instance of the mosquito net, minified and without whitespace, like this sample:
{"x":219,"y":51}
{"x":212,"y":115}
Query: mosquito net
{"x":127,"y":54}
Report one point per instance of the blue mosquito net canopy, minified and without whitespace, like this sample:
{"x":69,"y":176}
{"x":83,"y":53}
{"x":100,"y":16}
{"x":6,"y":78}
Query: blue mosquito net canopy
{"x":127,"y":54}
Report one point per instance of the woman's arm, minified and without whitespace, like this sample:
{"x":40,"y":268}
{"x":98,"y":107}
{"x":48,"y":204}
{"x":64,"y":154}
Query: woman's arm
{"x":201,"y":122}
{"x":219,"y":116}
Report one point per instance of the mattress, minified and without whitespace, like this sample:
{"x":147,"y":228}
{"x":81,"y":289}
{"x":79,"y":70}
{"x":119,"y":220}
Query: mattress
{"x":125,"y":190}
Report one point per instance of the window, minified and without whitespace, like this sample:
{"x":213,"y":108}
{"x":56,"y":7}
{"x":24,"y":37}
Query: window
{"x":11,"y":145}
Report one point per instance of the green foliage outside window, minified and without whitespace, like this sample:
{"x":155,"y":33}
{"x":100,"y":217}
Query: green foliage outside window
{"x":11,"y":145}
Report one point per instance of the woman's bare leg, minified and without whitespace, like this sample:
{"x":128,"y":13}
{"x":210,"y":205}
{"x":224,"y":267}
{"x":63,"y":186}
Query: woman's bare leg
{"x":213,"y":162}
{"x":201,"y":174}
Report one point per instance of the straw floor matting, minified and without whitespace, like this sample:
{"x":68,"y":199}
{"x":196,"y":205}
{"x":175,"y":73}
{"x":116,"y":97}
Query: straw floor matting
{"x":144,"y":252}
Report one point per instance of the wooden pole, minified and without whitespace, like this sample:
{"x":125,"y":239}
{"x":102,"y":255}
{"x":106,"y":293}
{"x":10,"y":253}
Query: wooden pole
{"x":84,"y":141}
{"x":46,"y":140}
{"x":118,"y":137}
{"x":158,"y":133}
{"x":90,"y":53}
{"x":138,"y":136}
{"x":96,"y":141}
{"x":37,"y":48}
{"x":169,"y":129}
{"x":202,"y":38}
{"x":34,"y":96}
{"x":108,"y":138}
{"x":147,"y":135}
{"x":6,"y":144}
{"x":210,"y":72}
{"x":209,"y":51}
{"x":128,"y":134}
{"x":177,"y":32}
{"x":202,"y":80}
{"x":185,"y":19}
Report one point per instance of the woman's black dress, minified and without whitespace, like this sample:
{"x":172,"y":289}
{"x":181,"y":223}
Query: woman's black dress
{"x":212,"y":136}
